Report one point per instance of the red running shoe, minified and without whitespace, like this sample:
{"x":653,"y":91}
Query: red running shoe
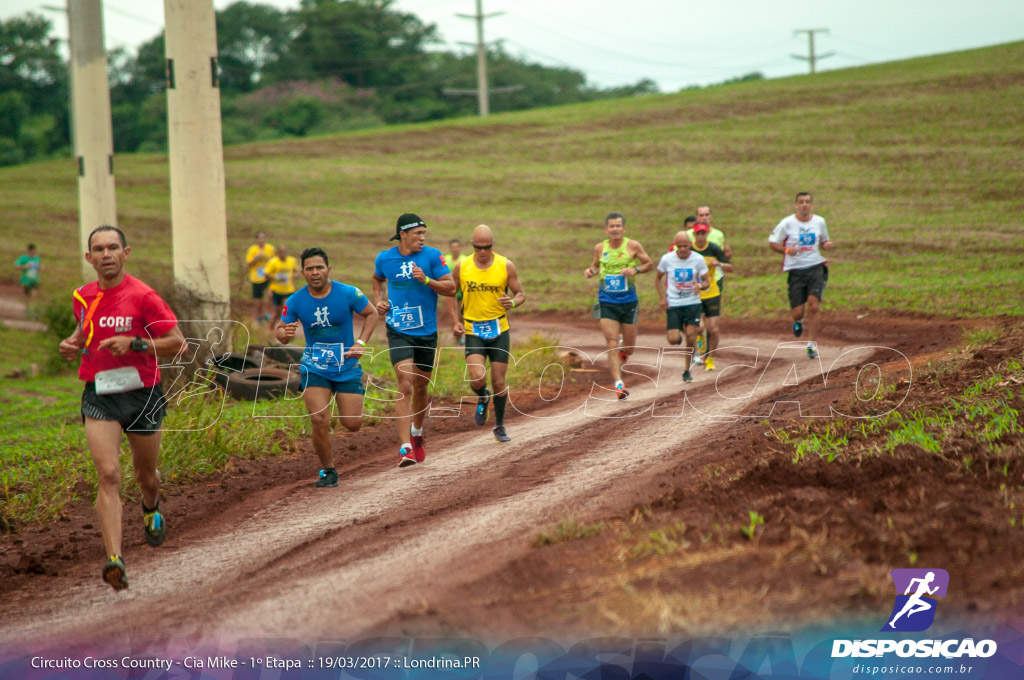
{"x":417,"y":448}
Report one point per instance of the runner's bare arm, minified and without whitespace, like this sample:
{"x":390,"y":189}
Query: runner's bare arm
{"x":442,"y":286}
{"x":724,"y":263}
{"x":726,"y":249}
{"x":380,"y":299}
{"x":827,"y":244}
{"x":170,"y":344}
{"x":659,"y":286}
{"x":777,"y":247}
{"x":370,"y":317}
{"x":705,"y":281}
{"x":286,"y":331}
{"x":514,"y":285}
{"x":453,"y":308}
{"x":591,"y":271}
{"x":70,"y":345}
{"x":646,"y":263}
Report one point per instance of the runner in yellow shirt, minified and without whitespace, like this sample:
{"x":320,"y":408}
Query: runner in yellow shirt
{"x":256,"y":259}
{"x":486,"y":281}
{"x":281,"y":272}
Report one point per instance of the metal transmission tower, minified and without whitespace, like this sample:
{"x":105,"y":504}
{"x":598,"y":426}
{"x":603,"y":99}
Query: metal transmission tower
{"x":482,"y":92}
{"x":812,"y":56}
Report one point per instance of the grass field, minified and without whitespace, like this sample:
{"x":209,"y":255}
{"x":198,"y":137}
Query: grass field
{"x":916,"y":165}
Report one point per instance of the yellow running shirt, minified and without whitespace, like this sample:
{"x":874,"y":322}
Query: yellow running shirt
{"x":257,"y":258}
{"x":481,"y":289}
{"x":282,"y":274}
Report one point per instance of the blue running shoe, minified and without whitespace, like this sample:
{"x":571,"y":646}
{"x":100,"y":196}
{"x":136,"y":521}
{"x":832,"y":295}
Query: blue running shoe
{"x":798,"y":328}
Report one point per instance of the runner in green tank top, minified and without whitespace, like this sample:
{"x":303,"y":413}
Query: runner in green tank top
{"x":617,"y":260}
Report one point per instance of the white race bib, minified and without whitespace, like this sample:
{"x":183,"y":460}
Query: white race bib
{"x":118,"y":380}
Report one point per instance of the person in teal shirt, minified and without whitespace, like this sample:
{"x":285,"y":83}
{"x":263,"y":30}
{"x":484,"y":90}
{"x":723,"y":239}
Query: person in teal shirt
{"x":29,"y":265}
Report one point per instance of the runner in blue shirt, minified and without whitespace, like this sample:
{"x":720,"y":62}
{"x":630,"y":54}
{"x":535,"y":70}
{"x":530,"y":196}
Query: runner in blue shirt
{"x":414,"y":275}
{"x":330,"y":362}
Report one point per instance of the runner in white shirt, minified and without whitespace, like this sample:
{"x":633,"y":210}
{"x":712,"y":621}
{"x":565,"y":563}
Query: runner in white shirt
{"x":801,"y":237}
{"x":687,"y":275}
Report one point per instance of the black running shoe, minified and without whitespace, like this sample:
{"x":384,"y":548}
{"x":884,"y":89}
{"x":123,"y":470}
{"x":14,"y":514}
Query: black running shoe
{"x":500,"y":434}
{"x":155,"y":525}
{"x":328,"y":477}
{"x":481,"y":407}
{"x":114,"y":573}
{"x":798,"y":328}
{"x":687,"y":377}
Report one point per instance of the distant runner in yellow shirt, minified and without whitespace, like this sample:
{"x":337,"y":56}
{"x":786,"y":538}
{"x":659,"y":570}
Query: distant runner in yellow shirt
{"x":281,"y":272}
{"x":486,"y":281}
{"x":256,"y":259}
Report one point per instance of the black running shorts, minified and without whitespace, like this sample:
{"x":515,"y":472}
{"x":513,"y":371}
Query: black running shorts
{"x":497,"y":350}
{"x":806,"y":282}
{"x":687,"y":315}
{"x":626,"y":312}
{"x":140,"y":411}
{"x":420,"y":348}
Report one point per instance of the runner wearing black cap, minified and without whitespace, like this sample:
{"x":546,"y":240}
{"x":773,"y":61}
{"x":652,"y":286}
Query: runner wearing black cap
{"x":415,"y":275}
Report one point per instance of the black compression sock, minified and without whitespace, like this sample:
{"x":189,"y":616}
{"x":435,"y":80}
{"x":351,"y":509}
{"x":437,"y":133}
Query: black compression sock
{"x":499,"y":409}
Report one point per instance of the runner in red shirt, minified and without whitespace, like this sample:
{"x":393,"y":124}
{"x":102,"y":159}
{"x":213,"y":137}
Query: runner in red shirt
{"x":123,"y":326}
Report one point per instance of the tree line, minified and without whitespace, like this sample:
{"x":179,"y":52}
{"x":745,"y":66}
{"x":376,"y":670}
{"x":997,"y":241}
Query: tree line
{"x":327,"y":66}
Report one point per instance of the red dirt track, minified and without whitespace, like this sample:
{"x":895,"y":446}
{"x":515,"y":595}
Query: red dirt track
{"x":446,"y":546}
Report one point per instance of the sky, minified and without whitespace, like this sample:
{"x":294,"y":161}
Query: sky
{"x":675,"y":43}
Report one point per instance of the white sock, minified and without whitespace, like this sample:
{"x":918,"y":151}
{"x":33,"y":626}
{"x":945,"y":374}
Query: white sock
{"x":407,"y":447}
{"x":810,"y":344}
{"x":416,"y":432}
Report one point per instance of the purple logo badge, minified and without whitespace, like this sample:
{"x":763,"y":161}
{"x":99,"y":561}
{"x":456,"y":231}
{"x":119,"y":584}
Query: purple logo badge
{"x":914,"y":609}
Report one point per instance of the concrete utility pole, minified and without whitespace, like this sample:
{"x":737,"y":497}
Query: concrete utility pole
{"x":482,"y":93}
{"x":812,"y":56}
{"x":90,"y":115}
{"x":196,"y":153}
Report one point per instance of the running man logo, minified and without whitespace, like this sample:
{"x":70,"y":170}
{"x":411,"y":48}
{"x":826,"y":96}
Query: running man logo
{"x":915,"y":611}
{"x":406,"y":271}
{"x":321,"y":317}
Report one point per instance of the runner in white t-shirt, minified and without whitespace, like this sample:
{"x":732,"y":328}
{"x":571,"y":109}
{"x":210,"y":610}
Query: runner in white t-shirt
{"x":801,"y":237}
{"x":687,"y":274}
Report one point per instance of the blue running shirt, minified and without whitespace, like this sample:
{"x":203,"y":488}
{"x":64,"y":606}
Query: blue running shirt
{"x":413,"y":304}
{"x":327,"y":323}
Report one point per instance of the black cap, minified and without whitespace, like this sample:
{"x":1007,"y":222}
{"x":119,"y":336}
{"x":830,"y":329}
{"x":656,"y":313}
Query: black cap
{"x":406,"y":222}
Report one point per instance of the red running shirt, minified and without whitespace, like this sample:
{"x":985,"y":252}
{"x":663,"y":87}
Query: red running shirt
{"x":131,"y":308}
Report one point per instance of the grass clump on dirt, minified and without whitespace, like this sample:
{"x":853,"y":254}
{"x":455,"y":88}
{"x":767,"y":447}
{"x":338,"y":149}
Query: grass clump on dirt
{"x":568,"y":529}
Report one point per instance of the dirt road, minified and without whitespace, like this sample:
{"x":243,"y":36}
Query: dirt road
{"x":293,"y":561}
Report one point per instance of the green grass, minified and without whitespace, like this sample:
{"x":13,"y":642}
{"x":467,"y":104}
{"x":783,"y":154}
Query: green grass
{"x":910,"y":162}
{"x":987,"y":412}
{"x":568,"y":529}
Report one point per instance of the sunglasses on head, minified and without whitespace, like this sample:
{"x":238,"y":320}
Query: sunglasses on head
{"x":486,"y":247}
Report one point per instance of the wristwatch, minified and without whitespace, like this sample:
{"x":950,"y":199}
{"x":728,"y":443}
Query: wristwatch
{"x":139,"y":345}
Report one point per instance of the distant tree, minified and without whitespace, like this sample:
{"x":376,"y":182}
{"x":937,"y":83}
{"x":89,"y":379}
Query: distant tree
{"x":251,"y":38}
